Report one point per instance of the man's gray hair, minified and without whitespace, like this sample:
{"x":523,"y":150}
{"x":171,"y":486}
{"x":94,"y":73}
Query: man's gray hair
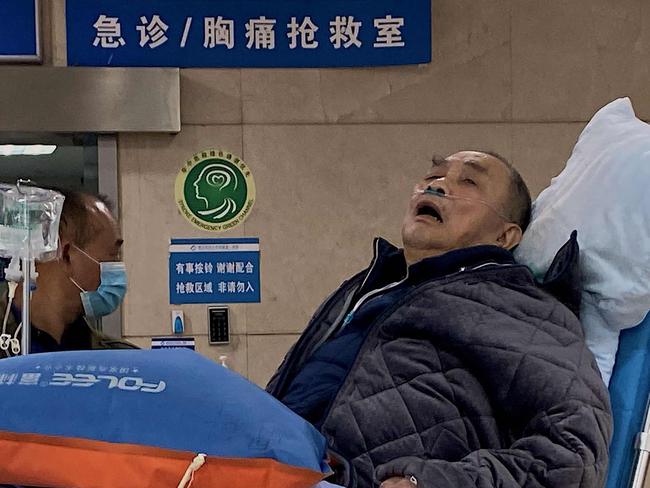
{"x":518,"y":209}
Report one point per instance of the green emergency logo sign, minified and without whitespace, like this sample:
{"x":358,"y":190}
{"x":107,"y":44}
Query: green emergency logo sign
{"x":215,"y":190}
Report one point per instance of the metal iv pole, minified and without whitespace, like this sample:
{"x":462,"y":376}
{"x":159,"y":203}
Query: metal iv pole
{"x":27,"y":264}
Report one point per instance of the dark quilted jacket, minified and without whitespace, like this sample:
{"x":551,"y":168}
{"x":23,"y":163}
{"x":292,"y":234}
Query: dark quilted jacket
{"x":480,"y":378}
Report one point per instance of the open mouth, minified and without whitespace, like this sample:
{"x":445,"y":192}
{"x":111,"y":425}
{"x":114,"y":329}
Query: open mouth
{"x":428,"y":208}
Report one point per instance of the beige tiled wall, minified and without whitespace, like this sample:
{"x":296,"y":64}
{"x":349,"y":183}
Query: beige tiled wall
{"x":570,"y":57}
{"x":334,"y":152}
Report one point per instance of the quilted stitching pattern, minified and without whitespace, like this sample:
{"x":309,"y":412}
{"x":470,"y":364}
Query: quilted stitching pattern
{"x":487,"y":369}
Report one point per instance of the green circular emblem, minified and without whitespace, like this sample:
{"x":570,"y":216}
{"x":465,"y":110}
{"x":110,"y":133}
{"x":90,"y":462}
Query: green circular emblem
{"x":215,"y":190}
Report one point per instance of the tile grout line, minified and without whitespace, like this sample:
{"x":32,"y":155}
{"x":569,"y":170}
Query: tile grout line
{"x":394,"y":123}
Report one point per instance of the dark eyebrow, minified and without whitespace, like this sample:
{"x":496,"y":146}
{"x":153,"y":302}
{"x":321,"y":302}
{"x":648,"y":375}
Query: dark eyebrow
{"x":475,"y":165}
{"x":437,"y":160}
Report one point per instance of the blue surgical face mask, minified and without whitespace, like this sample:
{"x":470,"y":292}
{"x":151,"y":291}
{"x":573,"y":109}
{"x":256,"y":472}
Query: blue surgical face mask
{"x":110,"y":293}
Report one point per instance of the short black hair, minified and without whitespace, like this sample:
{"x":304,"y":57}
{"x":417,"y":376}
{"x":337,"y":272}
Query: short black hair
{"x":520,"y":204}
{"x":77,"y":222}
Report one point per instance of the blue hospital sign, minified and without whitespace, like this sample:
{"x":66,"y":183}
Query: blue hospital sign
{"x":214,"y":271}
{"x":19,"y":31}
{"x":248,"y":33}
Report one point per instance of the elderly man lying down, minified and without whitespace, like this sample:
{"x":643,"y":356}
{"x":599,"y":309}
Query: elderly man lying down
{"x":445,"y":364}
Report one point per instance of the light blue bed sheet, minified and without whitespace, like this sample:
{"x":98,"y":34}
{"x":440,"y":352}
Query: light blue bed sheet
{"x":629,"y":390}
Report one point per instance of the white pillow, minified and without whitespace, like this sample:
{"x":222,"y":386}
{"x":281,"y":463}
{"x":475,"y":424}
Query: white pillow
{"x":604,"y":193}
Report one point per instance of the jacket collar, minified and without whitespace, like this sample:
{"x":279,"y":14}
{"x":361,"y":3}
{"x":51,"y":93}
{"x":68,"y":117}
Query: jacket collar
{"x":459,"y":260}
{"x":563,"y":279}
{"x":389,"y":265}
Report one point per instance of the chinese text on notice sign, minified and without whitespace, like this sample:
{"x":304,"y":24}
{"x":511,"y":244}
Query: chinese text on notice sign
{"x":248,"y":33}
{"x":214,"y":270}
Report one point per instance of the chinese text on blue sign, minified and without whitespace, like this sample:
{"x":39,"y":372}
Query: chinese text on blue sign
{"x":214,"y":271}
{"x":19,"y":30}
{"x":248,"y":33}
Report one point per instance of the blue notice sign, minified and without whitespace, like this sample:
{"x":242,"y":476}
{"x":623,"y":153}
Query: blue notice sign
{"x":214,"y":270}
{"x":19,"y":28}
{"x":248,"y":33}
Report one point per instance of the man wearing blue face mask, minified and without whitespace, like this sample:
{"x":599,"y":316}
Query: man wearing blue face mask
{"x":87,"y":281}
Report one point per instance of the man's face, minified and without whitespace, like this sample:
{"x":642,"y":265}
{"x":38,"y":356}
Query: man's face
{"x":435,"y":225}
{"x":105,"y":245}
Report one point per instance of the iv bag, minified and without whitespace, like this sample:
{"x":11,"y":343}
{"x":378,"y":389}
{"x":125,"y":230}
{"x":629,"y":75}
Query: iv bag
{"x":29,"y":217}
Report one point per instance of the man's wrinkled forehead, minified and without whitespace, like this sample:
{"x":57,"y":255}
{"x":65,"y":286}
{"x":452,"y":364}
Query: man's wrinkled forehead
{"x":479,"y":161}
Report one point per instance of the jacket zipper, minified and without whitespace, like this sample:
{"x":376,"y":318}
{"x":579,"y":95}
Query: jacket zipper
{"x":281,"y":380}
{"x":489,"y":263}
{"x":363,"y":299}
{"x":349,"y":316}
{"x":373,"y":264}
{"x":343,"y":315}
